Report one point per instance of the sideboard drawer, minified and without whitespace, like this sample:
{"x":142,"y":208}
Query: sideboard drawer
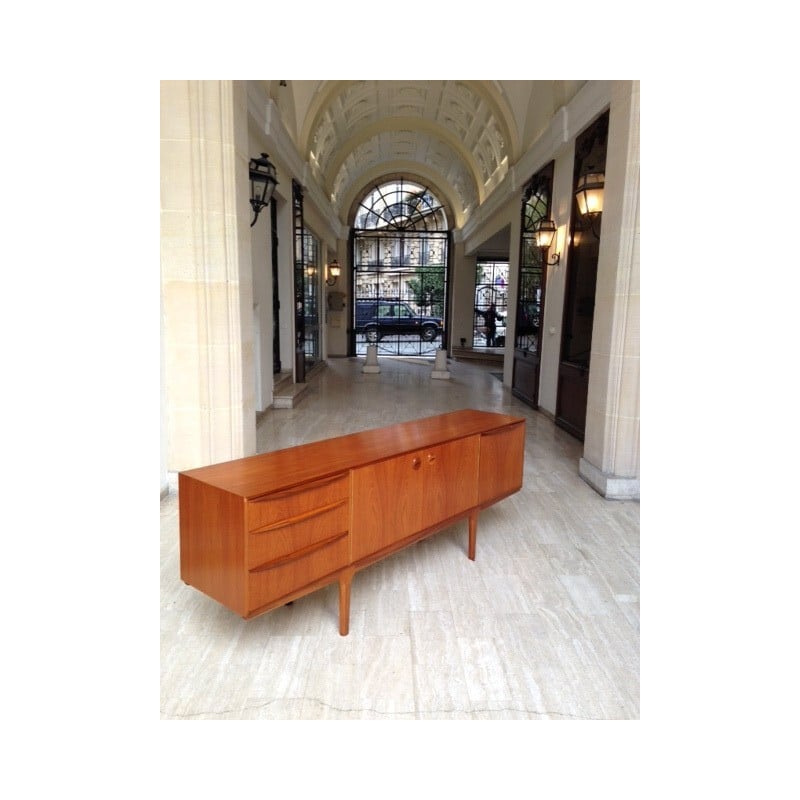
{"x":293,"y":503}
{"x":285,"y":538}
{"x":271,"y":583}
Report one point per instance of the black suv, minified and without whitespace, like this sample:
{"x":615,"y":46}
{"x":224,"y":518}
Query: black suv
{"x":379,"y":318}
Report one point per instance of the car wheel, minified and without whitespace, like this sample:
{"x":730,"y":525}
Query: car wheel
{"x":428,"y":334}
{"x":371,"y":335}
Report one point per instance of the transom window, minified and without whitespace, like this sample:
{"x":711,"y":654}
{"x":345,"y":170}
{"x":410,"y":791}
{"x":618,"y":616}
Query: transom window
{"x":401,"y":206}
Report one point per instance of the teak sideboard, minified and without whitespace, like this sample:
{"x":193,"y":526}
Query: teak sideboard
{"x":259,"y":532}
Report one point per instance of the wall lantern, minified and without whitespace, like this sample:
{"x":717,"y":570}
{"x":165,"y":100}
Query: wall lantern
{"x":334,"y":271}
{"x":544,"y":232}
{"x":262,"y":183}
{"x":589,"y":194}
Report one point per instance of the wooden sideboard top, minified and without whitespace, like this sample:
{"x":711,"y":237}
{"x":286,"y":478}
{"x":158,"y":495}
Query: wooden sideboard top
{"x":269,"y":472}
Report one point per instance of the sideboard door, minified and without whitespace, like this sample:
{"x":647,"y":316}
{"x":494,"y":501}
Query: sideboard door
{"x":386,"y":503}
{"x":501,"y":462}
{"x":396,"y":498}
{"x":450,"y":480}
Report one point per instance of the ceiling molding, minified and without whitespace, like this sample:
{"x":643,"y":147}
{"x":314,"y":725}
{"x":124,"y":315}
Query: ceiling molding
{"x":592,"y":99}
{"x":433,"y":130}
{"x":461,"y":138}
{"x":471,"y":118}
{"x":494,"y":96}
{"x":430,"y":157}
{"x":277,"y":141}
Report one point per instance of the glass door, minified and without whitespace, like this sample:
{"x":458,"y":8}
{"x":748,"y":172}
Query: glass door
{"x":276,"y":303}
{"x":536,"y":202}
{"x":299,"y":285}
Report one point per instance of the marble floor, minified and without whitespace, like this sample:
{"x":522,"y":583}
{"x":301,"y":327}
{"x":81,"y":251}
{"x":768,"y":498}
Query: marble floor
{"x":543,"y":625}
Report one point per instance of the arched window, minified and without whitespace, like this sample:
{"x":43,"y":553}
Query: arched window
{"x":400,"y":256}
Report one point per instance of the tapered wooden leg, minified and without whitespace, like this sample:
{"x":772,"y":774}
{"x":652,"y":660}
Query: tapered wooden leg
{"x":344,"y":603}
{"x":473,"y":534}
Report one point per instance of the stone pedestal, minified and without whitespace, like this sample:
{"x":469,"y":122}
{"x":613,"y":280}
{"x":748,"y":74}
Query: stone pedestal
{"x":371,"y":364}
{"x":440,"y":366}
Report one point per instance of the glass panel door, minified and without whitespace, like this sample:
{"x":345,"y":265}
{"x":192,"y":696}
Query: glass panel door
{"x":299,"y":284}
{"x":536,"y":202}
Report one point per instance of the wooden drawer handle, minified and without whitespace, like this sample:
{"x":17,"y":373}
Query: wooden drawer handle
{"x":303,"y":515}
{"x":431,"y":458}
{"x":415,"y":463}
{"x":296,"y":555}
{"x":305,"y":487}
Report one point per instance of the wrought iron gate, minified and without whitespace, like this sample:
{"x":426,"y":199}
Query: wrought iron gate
{"x":400,"y":248}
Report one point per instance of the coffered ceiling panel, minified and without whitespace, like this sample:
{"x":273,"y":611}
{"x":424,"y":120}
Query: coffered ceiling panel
{"x":463,"y":136}
{"x":431,"y":157}
{"x":459,"y":130}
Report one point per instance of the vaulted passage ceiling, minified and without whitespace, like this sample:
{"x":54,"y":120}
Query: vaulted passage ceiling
{"x":446,"y":127}
{"x":457,"y":137}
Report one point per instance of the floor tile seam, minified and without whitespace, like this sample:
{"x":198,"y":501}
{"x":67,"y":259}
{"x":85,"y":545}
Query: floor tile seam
{"x":294,"y":695}
{"x":461,"y":667}
{"x":617,"y":655}
{"x":414,"y":663}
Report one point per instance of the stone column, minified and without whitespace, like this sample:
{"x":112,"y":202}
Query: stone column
{"x":206,"y":279}
{"x":610,"y":460}
{"x":462,"y":278}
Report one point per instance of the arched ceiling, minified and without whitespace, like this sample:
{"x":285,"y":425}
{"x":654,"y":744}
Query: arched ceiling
{"x":459,"y":136}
